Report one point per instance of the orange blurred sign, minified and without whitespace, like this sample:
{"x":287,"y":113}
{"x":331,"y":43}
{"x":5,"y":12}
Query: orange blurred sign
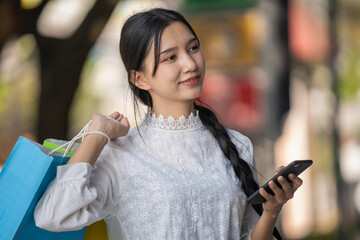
{"x":229,"y":40}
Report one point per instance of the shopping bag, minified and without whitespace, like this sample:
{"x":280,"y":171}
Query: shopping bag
{"x":56,"y":144}
{"x":26,"y":174}
{"x":97,"y":230}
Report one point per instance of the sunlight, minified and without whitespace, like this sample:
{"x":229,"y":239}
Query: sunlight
{"x":61,"y":18}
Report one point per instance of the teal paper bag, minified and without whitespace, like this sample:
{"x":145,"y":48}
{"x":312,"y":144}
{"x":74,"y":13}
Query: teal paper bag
{"x":23,"y":179}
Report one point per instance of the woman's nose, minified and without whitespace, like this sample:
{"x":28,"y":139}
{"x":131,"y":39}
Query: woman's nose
{"x":189,"y":63}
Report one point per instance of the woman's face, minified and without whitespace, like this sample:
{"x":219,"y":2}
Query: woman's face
{"x":181,"y":69}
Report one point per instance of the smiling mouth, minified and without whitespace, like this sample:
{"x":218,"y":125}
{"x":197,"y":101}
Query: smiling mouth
{"x":191,"y":81}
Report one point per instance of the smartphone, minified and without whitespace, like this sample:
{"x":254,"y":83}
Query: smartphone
{"x":295,"y":167}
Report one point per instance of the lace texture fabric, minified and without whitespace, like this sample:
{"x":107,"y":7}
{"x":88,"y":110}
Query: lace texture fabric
{"x":166,"y":180}
{"x":171,"y":124}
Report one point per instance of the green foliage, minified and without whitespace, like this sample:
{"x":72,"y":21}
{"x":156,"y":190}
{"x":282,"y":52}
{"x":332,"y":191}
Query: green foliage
{"x":349,"y":76}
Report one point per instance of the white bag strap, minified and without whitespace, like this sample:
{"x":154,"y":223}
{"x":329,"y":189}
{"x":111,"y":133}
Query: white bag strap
{"x":81,"y":135}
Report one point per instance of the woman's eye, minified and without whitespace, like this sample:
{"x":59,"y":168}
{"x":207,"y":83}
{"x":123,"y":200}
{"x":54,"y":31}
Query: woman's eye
{"x":170,"y":58}
{"x":194,"y":48}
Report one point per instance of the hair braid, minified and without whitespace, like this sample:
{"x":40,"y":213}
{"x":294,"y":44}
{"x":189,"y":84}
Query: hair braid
{"x":138,"y":33}
{"x":241,"y":167}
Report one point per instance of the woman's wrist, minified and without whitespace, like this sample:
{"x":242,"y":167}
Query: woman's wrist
{"x":96,"y":139}
{"x":271,"y":216}
{"x":90,"y":149}
{"x":265,"y":226}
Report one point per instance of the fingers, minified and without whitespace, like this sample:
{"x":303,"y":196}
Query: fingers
{"x":266,"y":195}
{"x":278,"y":199}
{"x":115,"y":115}
{"x":121,"y":116}
{"x":283,"y":193}
{"x":296,"y":181}
{"x":124,"y":126}
{"x":114,"y":125}
{"x":274,"y":203}
{"x":121,"y":119}
{"x":279,"y":168}
{"x":124,"y":121}
{"x":286,"y":192}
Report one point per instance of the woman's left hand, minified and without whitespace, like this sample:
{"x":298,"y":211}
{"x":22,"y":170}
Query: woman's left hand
{"x":274,"y":203}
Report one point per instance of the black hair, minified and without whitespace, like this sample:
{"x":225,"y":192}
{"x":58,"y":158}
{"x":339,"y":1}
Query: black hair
{"x":138,"y":33}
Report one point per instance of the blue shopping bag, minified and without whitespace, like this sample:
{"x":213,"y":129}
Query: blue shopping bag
{"x":23,"y":179}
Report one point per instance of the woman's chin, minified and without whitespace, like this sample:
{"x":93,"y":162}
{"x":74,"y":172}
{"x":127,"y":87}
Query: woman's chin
{"x":197,"y":93}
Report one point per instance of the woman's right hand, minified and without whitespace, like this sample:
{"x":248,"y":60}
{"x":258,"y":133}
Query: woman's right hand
{"x":115,"y":125}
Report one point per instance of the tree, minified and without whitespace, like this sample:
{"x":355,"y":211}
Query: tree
{"x":61,"y":60}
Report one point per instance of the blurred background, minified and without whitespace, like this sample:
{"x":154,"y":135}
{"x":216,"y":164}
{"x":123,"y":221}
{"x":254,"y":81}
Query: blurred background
{"x":284,"y":72}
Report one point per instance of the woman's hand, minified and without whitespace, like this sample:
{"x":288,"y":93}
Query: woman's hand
{"x":115,"y":125}
{"x":274,"y":203}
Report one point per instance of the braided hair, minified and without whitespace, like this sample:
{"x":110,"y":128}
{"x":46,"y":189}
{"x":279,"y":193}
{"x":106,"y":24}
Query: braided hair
{"x":241,"y":167}
{"x":137,"y":34}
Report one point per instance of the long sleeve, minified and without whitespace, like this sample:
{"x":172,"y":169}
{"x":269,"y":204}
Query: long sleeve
{"x":169,"y":182}
{"x":78,"y":196}
{"x":250,"y":219}
{"x":245,"y":148}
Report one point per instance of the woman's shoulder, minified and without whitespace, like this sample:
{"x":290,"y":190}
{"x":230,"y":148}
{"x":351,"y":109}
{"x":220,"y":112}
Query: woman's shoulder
{"x":243,"y":144}
{"x":127,"y":139}
{"x":120,"y":143}
{"x":239,"y":138}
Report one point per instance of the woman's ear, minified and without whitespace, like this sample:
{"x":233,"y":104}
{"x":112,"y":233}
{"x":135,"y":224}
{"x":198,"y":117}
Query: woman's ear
{"x":138,"y":79}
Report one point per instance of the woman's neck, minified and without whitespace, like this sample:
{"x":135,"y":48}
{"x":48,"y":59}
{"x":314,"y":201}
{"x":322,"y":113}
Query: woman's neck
{"x":176,"y":110}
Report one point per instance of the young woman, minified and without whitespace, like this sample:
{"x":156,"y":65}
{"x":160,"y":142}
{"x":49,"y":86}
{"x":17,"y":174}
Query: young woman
{"x":180,"y":174}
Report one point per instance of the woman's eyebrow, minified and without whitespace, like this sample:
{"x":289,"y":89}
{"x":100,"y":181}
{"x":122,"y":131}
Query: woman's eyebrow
{"x":192,"y":40}
{"x":168,"y":50}
{"x":174,"y":48}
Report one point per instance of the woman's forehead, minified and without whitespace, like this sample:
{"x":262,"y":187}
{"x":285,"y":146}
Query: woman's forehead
{"x":174,"y":34}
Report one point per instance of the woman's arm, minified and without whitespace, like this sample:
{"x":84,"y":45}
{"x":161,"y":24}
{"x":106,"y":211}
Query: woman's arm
{"x":84,"y":192}
{"x":264,"y":228}
{"x":116,"y":125}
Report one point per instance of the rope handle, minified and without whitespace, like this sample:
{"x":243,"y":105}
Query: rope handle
{"x":81,"y":135}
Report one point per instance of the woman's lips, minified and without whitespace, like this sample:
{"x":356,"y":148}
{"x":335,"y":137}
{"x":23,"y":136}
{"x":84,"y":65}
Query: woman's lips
{"x":191,"y":81}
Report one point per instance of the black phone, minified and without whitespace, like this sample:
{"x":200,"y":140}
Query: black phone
{"x":295,"y":167}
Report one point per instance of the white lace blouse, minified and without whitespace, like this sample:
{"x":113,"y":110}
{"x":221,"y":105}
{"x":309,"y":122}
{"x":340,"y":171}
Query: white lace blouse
{"x":167,"y":180}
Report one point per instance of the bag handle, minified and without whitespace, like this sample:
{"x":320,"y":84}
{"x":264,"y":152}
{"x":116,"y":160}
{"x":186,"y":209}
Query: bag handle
{"x":81,"y":135}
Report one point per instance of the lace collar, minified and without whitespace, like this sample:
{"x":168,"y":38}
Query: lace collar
{"x":171,"y":124}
